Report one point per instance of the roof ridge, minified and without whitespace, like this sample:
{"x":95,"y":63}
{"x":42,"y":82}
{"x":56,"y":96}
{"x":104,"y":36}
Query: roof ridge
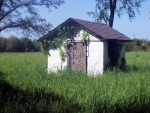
{"x":87,"y":21}
{"x":99,"y":29}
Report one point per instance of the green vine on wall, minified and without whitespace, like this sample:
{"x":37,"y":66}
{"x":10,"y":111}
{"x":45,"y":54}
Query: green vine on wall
{"x":47,"y":44}
{"x":84,"y":36}
{"x":65,"y":30}
{"x":63,"y":50}
{"x":114,"y":52}
{"x":59,"y":43}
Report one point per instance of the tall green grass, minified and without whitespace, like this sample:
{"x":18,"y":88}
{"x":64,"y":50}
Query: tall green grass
{"x":27,"y":88}
{"x":138,"y":61}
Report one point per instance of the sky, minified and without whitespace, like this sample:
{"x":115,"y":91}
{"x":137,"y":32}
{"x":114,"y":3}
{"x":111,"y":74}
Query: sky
{"x":138,"y":28}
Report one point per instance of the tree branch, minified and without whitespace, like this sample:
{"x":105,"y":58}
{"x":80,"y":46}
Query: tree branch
{"x":25,"y":4}
{"x":9,"y":26}
{"x":11,"y":11}
{"x":11,"y":15}
{"x":1,"y":3}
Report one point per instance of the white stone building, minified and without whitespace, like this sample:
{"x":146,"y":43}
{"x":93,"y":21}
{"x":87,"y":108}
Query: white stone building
{"x":91,"y":56}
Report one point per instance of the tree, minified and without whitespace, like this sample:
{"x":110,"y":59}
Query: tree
{"x":12,"y":44}
{"x":27,"y":45}
{"x":23,"y":16}
{"x":138,"y":44}
{"x":37,"y":45}
{"x":2,"y":44}
{"x":106,"y":9}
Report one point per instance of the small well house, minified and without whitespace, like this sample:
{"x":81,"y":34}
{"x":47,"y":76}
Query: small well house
{"x":85,"y":46}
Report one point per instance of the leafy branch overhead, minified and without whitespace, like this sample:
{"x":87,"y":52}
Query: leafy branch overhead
{"x":105,"y":10}
{"x":23,"y":16}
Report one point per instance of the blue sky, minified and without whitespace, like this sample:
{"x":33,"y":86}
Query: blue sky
{"x":139,"y":27}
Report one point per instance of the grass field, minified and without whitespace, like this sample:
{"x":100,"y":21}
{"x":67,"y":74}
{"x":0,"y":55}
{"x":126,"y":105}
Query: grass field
{"x":25,"y":87}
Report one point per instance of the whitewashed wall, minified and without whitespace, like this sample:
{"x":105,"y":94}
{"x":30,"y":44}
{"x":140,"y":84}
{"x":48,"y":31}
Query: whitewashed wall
{"x":95,"y":58}
{"x":94,"y":52}
{"x":97,"y":54}
{"x":54,"y":61}
{"x":94,"y":55}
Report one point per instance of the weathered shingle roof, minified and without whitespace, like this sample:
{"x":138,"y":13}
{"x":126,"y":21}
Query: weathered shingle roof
{"x":101,"y":30}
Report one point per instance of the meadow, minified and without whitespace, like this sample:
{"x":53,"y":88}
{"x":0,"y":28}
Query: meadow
{"x":26,"y":87}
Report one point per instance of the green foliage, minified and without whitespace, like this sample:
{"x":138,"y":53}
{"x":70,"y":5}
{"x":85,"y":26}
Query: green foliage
{"x":56,"y":43}
{"x":62,"y":54}
{"x":105,"y":10}
{"x":138,"y":45}
{"x":26,"y":45}
{"x":26,"y":87}
{"x":84,"y":36}
{"x":59,"y":43}
{"x":37,"y":45}
{"x":14,"y":44}
{"x":2,"y":44}
{"x":22,"y":16}
{"x":66,"y":31}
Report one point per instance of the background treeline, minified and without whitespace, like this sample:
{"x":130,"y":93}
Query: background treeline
{"x":138,"y":45}
{"x":14,"y":44}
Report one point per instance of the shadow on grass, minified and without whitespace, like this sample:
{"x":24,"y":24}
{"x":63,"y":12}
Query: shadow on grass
{"x":135,"y":68}
{"x":127,"y":68}
{"x":16,"y":101}
{"x":1,"y":74}
{"x":131,"y":105}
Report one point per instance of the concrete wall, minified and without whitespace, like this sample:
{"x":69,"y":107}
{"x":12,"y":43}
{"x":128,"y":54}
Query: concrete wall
{"x":95,"y":58}
{"x":97,"y":54}
{"x":94,"y":52}
{"x":54,"y":61}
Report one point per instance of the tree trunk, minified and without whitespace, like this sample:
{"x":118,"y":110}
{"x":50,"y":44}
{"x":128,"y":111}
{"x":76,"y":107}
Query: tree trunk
{"x":1,"y":3}
{"x":112,"y":12}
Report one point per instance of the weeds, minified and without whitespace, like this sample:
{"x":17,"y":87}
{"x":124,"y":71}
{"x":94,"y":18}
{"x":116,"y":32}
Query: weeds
{"x":26,"y":87}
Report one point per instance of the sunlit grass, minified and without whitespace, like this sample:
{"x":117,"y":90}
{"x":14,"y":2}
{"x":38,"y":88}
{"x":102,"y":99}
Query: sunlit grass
{"x":72,"y":91}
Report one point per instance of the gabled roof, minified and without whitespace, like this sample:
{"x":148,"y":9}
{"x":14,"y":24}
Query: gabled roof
{"x":99,"y":29}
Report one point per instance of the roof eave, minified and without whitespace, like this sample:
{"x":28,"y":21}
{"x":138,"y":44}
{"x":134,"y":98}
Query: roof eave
{"x":54,"y":30}
{"x":72,"y":21}
{"x":121,"y":40}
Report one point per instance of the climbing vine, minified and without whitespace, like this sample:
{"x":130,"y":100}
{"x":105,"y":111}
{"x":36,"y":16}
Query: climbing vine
{"x":84,"y":36}
{"x":63,"y":50}
{"x":58,"y":43}
{"x":114,"y":51}
{"x":47,"y":44}
{"x":65,"y":30}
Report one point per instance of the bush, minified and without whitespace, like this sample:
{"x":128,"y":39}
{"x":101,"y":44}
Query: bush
{"x":138,"y":45}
